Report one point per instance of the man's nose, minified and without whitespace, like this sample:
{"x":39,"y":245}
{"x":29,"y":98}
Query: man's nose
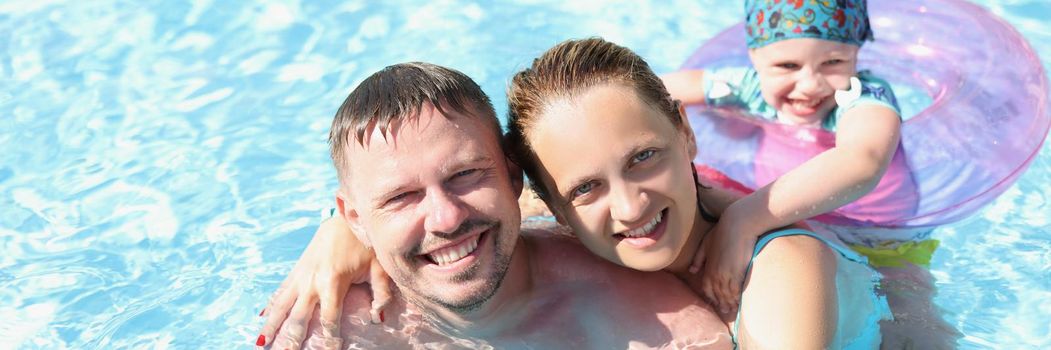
{"x":628,"y":204}
{"x":445,"y":212}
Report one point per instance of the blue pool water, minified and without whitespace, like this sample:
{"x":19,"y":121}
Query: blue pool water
{"x":164,"y":163}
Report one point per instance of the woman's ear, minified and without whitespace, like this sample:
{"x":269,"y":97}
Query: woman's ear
{"x":687,"y":130}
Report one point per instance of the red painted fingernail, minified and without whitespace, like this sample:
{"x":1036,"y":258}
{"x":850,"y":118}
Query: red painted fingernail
{"x":261,"y":341}
{"x":261,"y":312}
{"x":381,"y":316}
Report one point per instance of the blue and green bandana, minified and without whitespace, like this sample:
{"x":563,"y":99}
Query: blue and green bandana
{"x":769,"y":21}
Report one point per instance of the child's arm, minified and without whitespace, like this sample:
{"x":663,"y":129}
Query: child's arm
{"x":865,"y":143}
{"x":332,"y":261}
{"x":866,"y":139}
{"x":685,"y":85}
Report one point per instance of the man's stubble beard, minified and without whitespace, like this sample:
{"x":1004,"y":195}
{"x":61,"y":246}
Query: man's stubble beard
{"x":501,"y":264}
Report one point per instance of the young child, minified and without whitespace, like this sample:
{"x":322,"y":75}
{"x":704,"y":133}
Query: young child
{"x":804,"y":72}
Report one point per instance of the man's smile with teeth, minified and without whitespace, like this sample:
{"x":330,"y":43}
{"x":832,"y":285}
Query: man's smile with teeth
{"x":645,"y":229}
{"x":454,"y":253}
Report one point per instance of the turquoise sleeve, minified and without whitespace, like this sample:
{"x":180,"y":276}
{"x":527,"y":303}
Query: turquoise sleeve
{"x":874,"y":91}
{"x":731,"y":86}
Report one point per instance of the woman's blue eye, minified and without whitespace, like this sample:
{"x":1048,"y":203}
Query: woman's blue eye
{"x":642,"y":156}
{"x":583,"y":189}
{"x":833,"y":62}
{"x":788,"y":65}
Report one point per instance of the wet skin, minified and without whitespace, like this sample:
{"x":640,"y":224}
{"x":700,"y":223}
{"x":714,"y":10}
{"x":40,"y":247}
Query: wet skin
{"x":441,"y":184}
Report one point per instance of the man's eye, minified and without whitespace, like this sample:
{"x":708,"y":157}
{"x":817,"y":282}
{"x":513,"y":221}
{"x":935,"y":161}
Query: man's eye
{"x":642,"y":156}
{"x":465,"y":173}
{"x":788,"y":65}
{"x":397,"y":198}
{"x":833,"y":62}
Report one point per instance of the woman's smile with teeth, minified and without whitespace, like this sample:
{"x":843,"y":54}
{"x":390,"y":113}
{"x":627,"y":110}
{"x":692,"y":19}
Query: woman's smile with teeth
{"x":645,"y":229}
{"x":455,"y":253}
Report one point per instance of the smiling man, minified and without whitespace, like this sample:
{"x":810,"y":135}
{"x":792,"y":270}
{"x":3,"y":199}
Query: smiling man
{"x":424,"y":182}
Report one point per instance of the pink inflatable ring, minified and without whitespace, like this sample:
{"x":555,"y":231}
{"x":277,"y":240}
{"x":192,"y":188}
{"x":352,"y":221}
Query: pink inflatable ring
{"x":988,"y":119}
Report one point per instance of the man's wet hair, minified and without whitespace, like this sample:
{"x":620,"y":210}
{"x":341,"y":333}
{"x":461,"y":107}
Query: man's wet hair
{"x":397,"y":94}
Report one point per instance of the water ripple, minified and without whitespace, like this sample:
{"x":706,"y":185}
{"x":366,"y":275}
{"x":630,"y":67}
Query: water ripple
{"x":165,"y":161}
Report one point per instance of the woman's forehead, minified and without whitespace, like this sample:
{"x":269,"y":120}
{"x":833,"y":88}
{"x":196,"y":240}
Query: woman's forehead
{"x":604,"y":123}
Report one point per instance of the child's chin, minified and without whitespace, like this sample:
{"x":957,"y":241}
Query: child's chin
{"x":792,"y":119}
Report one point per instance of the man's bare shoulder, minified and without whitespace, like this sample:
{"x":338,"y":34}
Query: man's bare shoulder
{"x":404,"y":327}
{"x":558,"y":255}
{"x":580,"y":300}
{"x":557,"y":242}
{"x":607,"y":294}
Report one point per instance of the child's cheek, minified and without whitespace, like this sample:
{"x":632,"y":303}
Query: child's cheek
{"x":773,"y":91}
{"x":841,"y":81}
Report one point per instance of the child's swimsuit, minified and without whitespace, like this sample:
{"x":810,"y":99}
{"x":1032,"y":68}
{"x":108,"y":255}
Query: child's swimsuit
{"x":739,"y":87}
{"x":894,"y":197}
{"x":861,"y":305}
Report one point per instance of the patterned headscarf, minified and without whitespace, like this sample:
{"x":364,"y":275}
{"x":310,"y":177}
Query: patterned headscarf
{"x":769,"y":21}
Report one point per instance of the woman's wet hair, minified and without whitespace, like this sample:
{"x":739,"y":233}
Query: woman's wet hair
{"x":567,"y":71}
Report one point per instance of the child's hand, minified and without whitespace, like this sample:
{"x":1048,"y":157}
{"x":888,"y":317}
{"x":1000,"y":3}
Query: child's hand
{"x":331,"y":263}
{"x":724,"y":254}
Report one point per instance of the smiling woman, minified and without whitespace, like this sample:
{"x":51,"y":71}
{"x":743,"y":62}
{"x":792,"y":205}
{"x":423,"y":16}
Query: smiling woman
{"x":655,"y":157}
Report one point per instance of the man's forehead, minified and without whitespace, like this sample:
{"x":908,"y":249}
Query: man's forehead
{"x":430,"y":124}
{"x":428,"y":144}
